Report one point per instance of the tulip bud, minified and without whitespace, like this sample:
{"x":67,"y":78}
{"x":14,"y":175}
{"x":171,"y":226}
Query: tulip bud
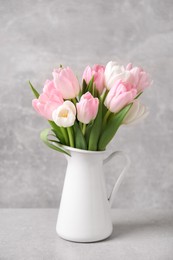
{"x":114,"y":72}
{"x":66,"y":82}
{"x":48,"y":101}
{"x":120,"y":95}
{"x":98,"y":72}
{"x":137,"y":112}
{"x":87,"y":108}
{"x":138,"y":78}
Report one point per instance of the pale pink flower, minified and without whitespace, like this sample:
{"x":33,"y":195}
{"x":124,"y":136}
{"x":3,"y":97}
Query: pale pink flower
{"x":87,"y":108}
{"x":48,"y":101}
{"x":138,"y":78}
{"x":66,"y":82}
{"x":120,"y":95}
{"x":98,"y":72}
{"x":137,"y":113}
{"x":114,"y":72}
{"x":65,"y":115}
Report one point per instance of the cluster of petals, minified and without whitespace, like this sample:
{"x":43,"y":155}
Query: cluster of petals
{"x":87,"y":108}
{"x":65,"y":115}
{"x":121,"y":85}
{"x":138,"y":78}
{"x":48,"y":101}
{"x":120,"y":95}
{"x":66,"y":82}
{"x":114,"y":72}
{"x":97,"y":71}
{"x":133,"y":75}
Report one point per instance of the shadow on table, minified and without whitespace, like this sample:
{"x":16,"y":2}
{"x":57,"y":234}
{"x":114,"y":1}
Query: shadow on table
{"x":156,"y":225}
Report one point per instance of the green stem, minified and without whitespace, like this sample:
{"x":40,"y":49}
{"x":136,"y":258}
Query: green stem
{"x":84,"y":129}
{"x":74,"y":100}
{"x":106,"y":117}
{"x":103,"y":97}
{"x":70,"y":135}
{"x":81,"y":125}
{"x":64,"y":132}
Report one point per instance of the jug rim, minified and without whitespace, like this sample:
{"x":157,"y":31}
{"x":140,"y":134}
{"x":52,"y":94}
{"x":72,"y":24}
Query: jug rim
{"x":72,"y":149}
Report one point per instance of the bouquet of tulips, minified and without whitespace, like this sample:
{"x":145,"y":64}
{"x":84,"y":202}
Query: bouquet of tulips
{"x":88,"y":116}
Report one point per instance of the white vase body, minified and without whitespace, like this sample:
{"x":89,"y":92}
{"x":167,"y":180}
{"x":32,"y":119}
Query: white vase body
{"x":84,"y":213}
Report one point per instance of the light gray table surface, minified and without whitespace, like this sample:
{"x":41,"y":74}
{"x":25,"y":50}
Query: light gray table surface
{"x":30,"y":234}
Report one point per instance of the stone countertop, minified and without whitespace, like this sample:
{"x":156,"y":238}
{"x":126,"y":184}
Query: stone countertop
{"x":30,"y":234}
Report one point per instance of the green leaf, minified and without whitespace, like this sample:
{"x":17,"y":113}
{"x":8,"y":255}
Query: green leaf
{"x":84,"y":87}
{"x":54,"y":141}
{"x":59,"y":136}
{"x":88,"y":131}
{"x":95,"y":92}
{"x":70,"y":136}
{"x":57,"y":131}
{"x":35,"y":92}
{"x":112,"y":126}
{"x":96,"y":129}
{"x":90,"y":85}
{"x":138,"y":95}
{"x":104,"y":108}
{"x":79,"y":138}
{"x":44,"y":137}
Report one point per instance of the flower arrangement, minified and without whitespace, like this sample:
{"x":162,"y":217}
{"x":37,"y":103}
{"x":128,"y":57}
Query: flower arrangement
{"x":88,"y":116}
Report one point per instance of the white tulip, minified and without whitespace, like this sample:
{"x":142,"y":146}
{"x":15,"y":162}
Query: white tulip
{"x":137,"y":113}
{"x":113,"y":72}
{"x":65,"y":115}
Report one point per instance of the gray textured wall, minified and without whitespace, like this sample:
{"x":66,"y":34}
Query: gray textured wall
{"x":35,"y":37}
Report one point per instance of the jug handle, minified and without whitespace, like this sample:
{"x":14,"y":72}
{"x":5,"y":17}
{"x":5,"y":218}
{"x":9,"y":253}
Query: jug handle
{"x":121,"y":176}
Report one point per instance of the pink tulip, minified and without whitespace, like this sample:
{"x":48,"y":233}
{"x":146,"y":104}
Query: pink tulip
{"x":98,"y":72}
{"x":120,"y":95}
{"x":48,"y":101}
{"x":138,"y":78}
{"x":66,"y":82}
{"x":87,"y":108}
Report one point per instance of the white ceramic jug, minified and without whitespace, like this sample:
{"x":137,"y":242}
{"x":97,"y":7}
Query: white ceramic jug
{"x":84,"y":214}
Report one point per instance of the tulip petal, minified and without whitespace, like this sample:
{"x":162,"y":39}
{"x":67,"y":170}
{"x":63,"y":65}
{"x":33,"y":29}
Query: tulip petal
{"x":111,"y":128}
{"x":133,"y":112}
{"x":64,"y":115}
{"x":136,"y":114}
